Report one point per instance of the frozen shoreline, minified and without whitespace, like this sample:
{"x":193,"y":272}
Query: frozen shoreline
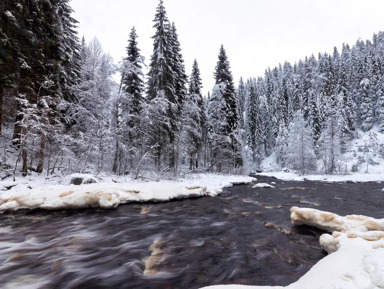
{"x":111,"y":194}
{"x":355,"y":178}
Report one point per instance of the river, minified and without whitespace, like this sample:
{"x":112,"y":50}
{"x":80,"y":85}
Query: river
{"x":243,"y":236}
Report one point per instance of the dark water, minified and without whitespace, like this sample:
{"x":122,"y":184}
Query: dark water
{"x":243,"y":236}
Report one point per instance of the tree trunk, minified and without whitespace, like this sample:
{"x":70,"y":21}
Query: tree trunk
{"x":17,"y":131}
{"x":24,"y":153}
{"x":40,"y":165}
{"x":25,"y":165}
{"x":116,"y":158}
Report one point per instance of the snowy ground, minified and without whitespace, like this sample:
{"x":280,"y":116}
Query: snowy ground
{"x":33,"y":192}
{"x":362,"y":162}
{"x":353,"y":177}
{"x":356,"y":247}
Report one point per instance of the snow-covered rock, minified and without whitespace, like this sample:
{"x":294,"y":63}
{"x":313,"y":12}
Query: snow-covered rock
{"x":263,"y":185}
{"x":81,"y":179}
{"x":356,"y":247}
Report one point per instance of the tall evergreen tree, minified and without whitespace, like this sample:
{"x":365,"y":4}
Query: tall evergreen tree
{"x":161,"y":91}
{"x":254,"y":134}
{"x":129,"y":107}
{"x":193,"y":120}
{"x":231,"y":124}
{"x":39,"y":55}
{"x":242,"y":101}
{"x":178,"y":68}
{"x":366,"y":109}
{"x":300,"y":154}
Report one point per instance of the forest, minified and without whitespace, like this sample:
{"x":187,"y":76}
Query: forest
{"x":61,"y":110}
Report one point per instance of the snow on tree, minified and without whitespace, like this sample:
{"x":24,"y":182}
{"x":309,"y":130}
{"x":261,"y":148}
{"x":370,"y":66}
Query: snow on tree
{"x":282,"y":150}
{"x":380,"y":104}
{"x":39,"y":57}
{"x":366,"y":110}
{"x":314,"y":120}
{"x":242,"y":100}
{"x":178,"y":68}
{"x":218,"y":139}
{"x":253,"y":131}
{"x":231,"y":122}
{"x":193,"y":121}
{"x":162,"y":88}
{"x":128,"y":109}
{"x":91,"y":114}
{"x":300,"y":152}
{"x":330,"y":144}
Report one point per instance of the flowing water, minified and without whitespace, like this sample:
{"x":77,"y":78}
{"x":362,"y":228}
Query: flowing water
{"x":243,"y":236}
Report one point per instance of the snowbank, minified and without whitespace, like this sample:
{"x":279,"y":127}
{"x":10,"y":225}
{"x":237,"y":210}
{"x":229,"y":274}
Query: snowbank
{"x":108,"y":195}
{"x":356,"y":247}
{"x":353,"y":177}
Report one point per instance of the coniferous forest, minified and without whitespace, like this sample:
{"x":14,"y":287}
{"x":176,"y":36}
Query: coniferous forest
{"x":62,"y":112}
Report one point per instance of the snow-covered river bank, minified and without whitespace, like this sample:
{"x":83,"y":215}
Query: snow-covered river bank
{"x":243,"y":236}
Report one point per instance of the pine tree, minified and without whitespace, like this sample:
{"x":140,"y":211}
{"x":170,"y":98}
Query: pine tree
{"x":230,"y":125}
{"x":300,"y":154}
{"x":178,"y":68}
{"x":129,"y":107}
{"x":162,"y":91}
{"x":366,"y":110}
{"x":254,"y":134}
{"x":314,"y":121}
{"x":242,"y":99}
{"x":380,"y":104}
{"x":193,"y":120}
{"x":282,"y":146}
{"x":217,"y":137}
{"x":40,"y":43}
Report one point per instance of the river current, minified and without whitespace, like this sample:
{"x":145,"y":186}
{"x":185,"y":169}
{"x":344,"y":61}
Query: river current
{"x":243,"y":236}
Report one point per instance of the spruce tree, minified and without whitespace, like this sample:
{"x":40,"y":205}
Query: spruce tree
{"x":242,"y":101}
{"x":300,"y":155}
{"x":193,"y":120}
{"x":161,"y":91}
{"x":380,"y":104}
{"x":366,"y":110}
{"x":129,"y":107}
{"x":217,"y":137}
{"x":231,"y":125}
{"x":178,"y":68}
{"x":253,"y":131}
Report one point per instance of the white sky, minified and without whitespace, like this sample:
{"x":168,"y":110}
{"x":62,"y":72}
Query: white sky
{"x":256,"y":34}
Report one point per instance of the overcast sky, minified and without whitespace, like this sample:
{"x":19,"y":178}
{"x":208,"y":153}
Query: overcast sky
{"x":256,"y":34}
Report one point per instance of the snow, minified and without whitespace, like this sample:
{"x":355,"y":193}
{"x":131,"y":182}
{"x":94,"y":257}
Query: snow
{"x":353,"y":177}
{"x":263,"y":185}
{"x":32,"y":194}
{"x":356,"y":247}
{"x":10,"y":15}
{"x":363,"y":161}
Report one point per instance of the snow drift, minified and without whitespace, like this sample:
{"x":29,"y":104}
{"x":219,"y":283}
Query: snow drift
{"x":109,"y":195}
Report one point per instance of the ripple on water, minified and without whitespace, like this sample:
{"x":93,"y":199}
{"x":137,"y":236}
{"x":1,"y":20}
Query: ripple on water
{"x":242,"y":237}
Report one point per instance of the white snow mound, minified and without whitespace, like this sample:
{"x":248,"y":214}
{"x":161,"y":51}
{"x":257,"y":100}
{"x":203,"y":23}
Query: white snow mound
{"x":108,"y":195}
{"x":263,"y":185}
{"x":356,"y":252}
